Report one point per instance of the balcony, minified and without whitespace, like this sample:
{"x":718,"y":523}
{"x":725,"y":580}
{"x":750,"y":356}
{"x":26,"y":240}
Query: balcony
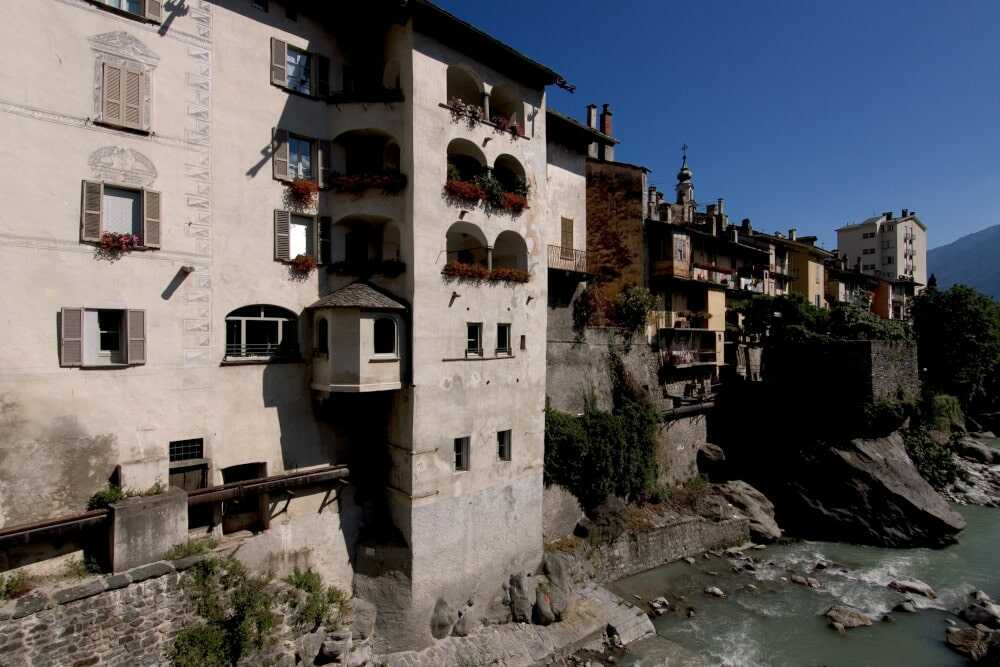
{"x":688,"y":347}
{"x":711,"y":273}
{"x":567,"y":259}
{"x":666,"y":268}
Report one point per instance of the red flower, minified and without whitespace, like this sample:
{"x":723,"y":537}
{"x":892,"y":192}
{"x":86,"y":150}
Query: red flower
{"x":463,"y":192}
{"x":304,"y":263}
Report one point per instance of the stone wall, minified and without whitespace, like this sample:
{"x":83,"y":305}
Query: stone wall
{"x":635,"y":552}
{"x":894,"y":369}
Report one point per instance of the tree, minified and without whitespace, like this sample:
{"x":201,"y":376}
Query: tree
{"x":958,"y":342}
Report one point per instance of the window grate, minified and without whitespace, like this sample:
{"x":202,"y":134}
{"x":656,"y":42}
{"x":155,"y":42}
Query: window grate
{"x":185,"y":450}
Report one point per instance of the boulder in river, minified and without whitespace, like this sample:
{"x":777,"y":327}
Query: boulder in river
{"x":863,"y":490}
{"x":976,"y":450}
{"x":914,"y":586}
{"x":973,"y":643}
{"x":737,"y":498}
{"x":982,"y":613}
{"x":847,"y":617}
{"x":715,"y":591}
{"x":906,"y":607}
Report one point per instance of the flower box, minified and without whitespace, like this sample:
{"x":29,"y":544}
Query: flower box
{"x":115,"y":243}
{"x":509,"y":275}
{"x":463,"y":192}
{"x":463,"y":271}
{"x":301,"y":193}
{"x":303,"y":264}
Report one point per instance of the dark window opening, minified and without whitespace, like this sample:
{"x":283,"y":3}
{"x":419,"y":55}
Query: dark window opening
{"x":503,"y":338}
{"x":474,"y":338}
{"x":462,"y":453}
{"x":185,"y":450}
{"x":322,"y":337}
{"x":385,"y":335}
{"x":503,"y":445}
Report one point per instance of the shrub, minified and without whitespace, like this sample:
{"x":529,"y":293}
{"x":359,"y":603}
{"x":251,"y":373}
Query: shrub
{"x":632,"y":307}
{"x":463,"y":192}
{"x":190,"y":548}
{"x":105,"y":497}
{"x":883,"y":417}
{"x":81,"y":567}
{"x":944,"y":413}
{"x":303,"y":264}
{"x":463,"y":271}
{"x":935,"y":462}
{"x":308,"y":581}
{"x":322,"y":605}
{"x":202,"y":645}
{"x":301,"y":193}
{"x":233,"y":603}
{"x":591,"y":308}
{"x":509,"y":275}
{"x":13,"y":585}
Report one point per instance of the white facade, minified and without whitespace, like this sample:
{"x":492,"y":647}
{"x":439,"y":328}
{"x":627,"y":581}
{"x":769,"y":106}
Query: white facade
{"x":887,"y":246}
{"x":203,"y":336}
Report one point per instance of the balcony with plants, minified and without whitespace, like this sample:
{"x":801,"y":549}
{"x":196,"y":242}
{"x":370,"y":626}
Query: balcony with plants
{"x":470,"y":259}
{"x":471,"y":183}
{"x":366,"y":162}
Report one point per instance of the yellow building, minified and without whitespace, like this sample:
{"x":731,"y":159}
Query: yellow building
{"x":806,"y":264}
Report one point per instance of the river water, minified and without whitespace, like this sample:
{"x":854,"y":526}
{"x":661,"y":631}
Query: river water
{"x":782,"y":624}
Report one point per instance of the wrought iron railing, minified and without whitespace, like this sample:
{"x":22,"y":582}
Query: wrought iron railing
{"x":269,"y":351}
{"x":567,"y":259}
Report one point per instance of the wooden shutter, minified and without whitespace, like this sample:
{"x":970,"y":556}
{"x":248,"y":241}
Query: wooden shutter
{"x":279,"y":154}
{"x":71,"y":337}
{"x":321,"y":85}
{"x":150,"y":218}
{"x":154,"y":10}
{"x":111,"y":95}
{"x":90,"y":211}
{"x":566,"y":235}
{"x":132,"y":97}
{"x":282,"y":219}
{"x":279,"y":62}
{"x":135,"y":336}
{"x":145,"y":103}
{"x":323,"y":164}
{"x":312,"y":244}
{"x":324,"y":241}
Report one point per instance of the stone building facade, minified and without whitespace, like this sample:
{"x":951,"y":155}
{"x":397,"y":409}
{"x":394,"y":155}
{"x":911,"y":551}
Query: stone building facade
{"x":200,"y":158}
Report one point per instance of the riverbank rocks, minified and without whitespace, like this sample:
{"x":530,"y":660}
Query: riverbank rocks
{"x":906,"y":607}
{"x":865,"y":491}
{"x":520,"y":602}
{"x":979,"y":645}
{"x":982,"y":613}
{"x":715,"y":591}
{"x":561,"y":512}
{"x":808,"y":582}
{"x":914,"y":586}
{"x":737,"y":498}
{"x":442,"y":620}
{"x":842,"y":617}
{"x":975,"y":450}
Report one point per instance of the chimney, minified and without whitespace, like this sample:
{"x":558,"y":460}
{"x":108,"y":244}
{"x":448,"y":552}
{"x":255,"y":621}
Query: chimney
{"x":791,"y":234}
{"x":592,"y":123}
{"x":905,"y":213}
{"x":710,"y":210}
{"x":734,"y":234}
{"x":653,"y":211}
{"x":888,"y":215}
{"x":720,"y":210}
{"x":747,"y":226}
{"x":609,"y":151}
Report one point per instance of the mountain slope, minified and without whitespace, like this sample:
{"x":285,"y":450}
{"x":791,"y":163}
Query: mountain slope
{"x":971,"y":260}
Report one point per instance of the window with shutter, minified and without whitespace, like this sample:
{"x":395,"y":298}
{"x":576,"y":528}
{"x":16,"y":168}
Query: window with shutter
{"x":151,"y":218}
{"x":566,"y":239}
{"x":90,"y":211}
{"x":132,"y":98}
{"x":154,"y":10}
{"x":111,"y":95}
{"x":325,"y":156}
{"x":71,"y":337}
{"x":324,"y":240}
{"x":135,"y":335}
{"x":282,"y":220}
{"x":279,"y":62}
{"x":279,"y":154}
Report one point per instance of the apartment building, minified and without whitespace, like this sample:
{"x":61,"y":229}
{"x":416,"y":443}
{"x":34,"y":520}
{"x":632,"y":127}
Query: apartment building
{"x":265,"y":236}
{"x":887,"y":245}
{"x":799,"y":265}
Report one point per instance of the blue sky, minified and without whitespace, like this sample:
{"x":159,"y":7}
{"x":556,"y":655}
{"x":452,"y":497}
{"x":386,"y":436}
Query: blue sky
{"x":800,"y":114}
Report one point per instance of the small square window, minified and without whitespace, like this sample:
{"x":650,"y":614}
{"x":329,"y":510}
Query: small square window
{"x":503,"y":338}
{"x":462,"y":453}
{"x":185,"y":450}
{"x":121,"y":211}
{"x":109,"y":327}
{"x":299,"y":231}
{"x":474,"y":338}
{"x":523,"y":343}
{"x":503,"y":445}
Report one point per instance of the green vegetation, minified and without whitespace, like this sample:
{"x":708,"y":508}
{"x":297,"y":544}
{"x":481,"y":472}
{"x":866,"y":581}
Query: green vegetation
{"x":789,"y":318}
{"x":604,"y":453}
{"x":958,"y":341}
{"x":190,"y":548}
{"x":112,"y":494}
{"x":237,"y":612}
{"x":322,"y":605}
{"x":944,"y":413}
{"x":632,"y":306}
{"x":883,"y":417}
{"x":13,"y":585}
{"x":81,"y":567}
{"x":934,"y":461}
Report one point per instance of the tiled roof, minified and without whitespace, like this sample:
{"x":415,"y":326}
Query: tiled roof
{"x":358,"y":295}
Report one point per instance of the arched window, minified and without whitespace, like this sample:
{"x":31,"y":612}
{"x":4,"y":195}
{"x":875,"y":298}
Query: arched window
{"x":510,"y":251}
{"x":465,"y":160}
{"x":384,"y":335}
{"x":322,"y":337}
{"x":507,"y":109}
{"x":261,"y":332}
{"x":466,"y":244}
{"x":463,"y":87}
{"x":510,"y":174}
